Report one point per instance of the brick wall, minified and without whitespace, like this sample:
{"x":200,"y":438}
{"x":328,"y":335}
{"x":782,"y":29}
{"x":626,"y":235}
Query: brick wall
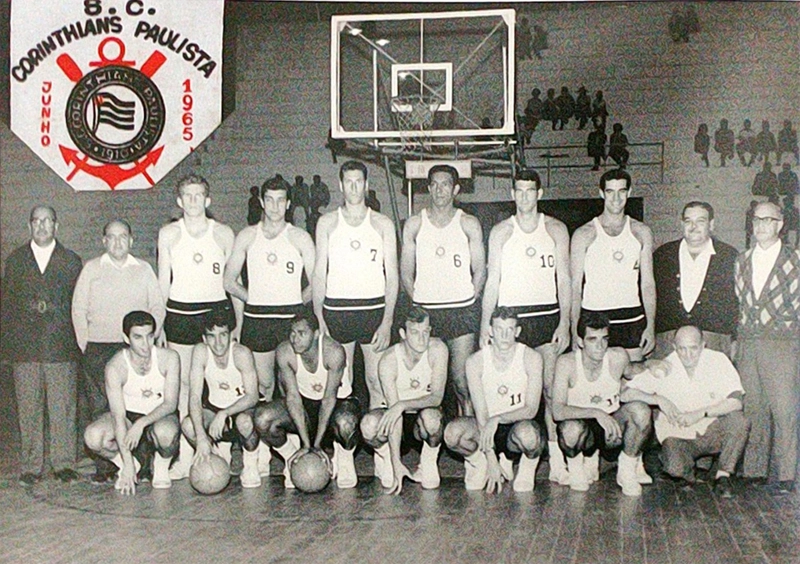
{"x":742,"y":64}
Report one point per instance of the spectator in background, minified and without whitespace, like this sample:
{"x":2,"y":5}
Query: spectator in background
{"x":765,"y":182}
{"x":38,"y":340}
{"x":318,"y":197}
{"x":523,"y":39}
{"x":583,"y":107}
{"x":765,"y":142}
{"x":253,"y":207}
{"x":566,"y":107}
{"x":618,"y":146}
{"x":372,"y":201}
{"x":724,"y":141}
{"x":550,"y":108}
{"x":678,"y":28}
{"x":533,"y":111}
{"x":787,"y":142}
{"x":539,"y":41}
{"x":599,"y":109}
{"x":746,"y":144}
{"x":702,"y":142}
{"x":596,"y":145}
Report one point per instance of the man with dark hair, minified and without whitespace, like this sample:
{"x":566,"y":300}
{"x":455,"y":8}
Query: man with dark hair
{"x":694,"y":283}
{"x":142,"y":383}
{"x":787,"y":142}
{"x":611,"y":258}
{"x":413,"y":374}
{"x":109,"y":287}
{"x":529,"y":272}
{"x":767,"y":279}
{"x":317,"y":407}
{"x":223,"y":390}
{"x":724,"y":141}
{"x":505,"y":384}
{"x":586,"y":407}
{"x":191,"y":259}
{"x":38,"y":340}
{"x":443,"y":269}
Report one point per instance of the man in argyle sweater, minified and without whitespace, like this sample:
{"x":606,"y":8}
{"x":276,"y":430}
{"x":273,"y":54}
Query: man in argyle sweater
{"x":768,"y":287}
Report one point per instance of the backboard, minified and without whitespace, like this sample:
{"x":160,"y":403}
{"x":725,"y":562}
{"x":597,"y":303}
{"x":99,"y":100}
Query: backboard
{"x":433,"y":75}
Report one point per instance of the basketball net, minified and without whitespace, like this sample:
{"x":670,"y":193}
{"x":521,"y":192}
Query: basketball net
{"x":411,"y":124}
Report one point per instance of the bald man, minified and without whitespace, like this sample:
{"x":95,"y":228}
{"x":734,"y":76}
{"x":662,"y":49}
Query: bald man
{"x":768,"y":287}
{"x":699,"y":400}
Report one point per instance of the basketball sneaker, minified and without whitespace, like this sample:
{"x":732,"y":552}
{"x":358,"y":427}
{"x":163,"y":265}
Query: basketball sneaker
{"x":346,"y":477}
{"x":161,"y":479}
{"x":475,"y":471}
{"x":250,"y":477}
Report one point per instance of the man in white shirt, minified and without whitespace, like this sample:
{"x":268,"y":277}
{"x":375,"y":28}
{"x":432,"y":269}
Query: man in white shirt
{"x":699,"y":402}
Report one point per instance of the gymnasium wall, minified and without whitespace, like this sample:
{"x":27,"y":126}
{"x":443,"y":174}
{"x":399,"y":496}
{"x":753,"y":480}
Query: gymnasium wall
{"x":742,"y":64}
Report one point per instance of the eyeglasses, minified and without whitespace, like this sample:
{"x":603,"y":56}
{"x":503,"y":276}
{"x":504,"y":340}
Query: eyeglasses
{"x":42,"y":221}
{"x":767,"y":219}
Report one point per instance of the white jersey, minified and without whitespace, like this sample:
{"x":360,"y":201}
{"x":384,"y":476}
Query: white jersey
{"x":601,"y":394}
{"x":312,"y":384}
{"x":274,"y":270}
{"x":444,"y":275}
{"x":528,"y":267}
{"x":611,"y":270}
{"x":355,"y":261}
{"x":413,"y":383}
{"x":504,"y":391}
{"x":225,"y":385}
{"x":197,"y":267}
{"x":142,"y":394}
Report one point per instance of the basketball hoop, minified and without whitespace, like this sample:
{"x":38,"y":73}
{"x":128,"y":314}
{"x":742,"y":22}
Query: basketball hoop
{"x":414,"y":115}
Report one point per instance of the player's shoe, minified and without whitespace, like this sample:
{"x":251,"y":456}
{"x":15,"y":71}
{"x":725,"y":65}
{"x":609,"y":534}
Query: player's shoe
{"x":427,"y":474}
{"x":161,"y":479}
{"x":526,"y":474}
{"x":591,"y":467}
{"x":626,"y":475}
{"x":346,"y":477}
{"x":641,"y":474}
{"x":250,"y":478}
{"x":264,"y":459}
{"x":577,"y":474}
{"x":183,"y":463}
{"x":383,"y":466}
{"x":286,"y":450}
{"x":475,"y":471}
{"x":558,"y":467}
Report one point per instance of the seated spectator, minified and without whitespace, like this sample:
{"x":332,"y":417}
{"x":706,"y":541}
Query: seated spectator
{"x":765,"y":142}
{"x":699,"y":400}
{"x":724,"y":141}
{"x":583,"y":107}
{"x":765,"y":182}
{"x":746,"y":144}
{"x":618,"y":146}
{"x":596,"y":145}
{"x":566,"y":107}
{"x":599,"y":109}
{"x":787,"y":142}
{"x":550,"y":108}
{"x":533,"y":112}
{"x":702,"y":142}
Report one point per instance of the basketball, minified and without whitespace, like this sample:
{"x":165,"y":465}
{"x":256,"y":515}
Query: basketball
{"x":210,"y":476}
{"x":310,"y":472}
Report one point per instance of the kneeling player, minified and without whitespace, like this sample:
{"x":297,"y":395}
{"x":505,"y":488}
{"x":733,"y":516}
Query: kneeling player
{"x":223,"y":389}
{"x":142,"y":383}
{"x":588,"y":413}
{"x":505,"y":385}
{"x":413,"y":374}
{"x":310,"y":368}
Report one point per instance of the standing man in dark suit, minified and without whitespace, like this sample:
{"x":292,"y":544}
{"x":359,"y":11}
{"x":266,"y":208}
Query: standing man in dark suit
{"x":39,"y":341}
{"x":694,"y":283}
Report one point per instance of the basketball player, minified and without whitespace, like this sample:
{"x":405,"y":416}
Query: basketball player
{"x":529,"y":272}
{"x":142,"y":383}
{"x":612,"y":261}
{"x":355,"y":277}
{"x":586,"y":407}
{"x":191,"y":258}
{"x":505,"y":385}
{"x":317,"y":401}
{"x":223,"y":390}
{"x":443,"y":269}
{"x":413,"y":374}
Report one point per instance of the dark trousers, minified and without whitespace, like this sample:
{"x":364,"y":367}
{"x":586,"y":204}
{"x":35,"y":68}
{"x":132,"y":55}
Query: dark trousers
{"x":726,"y":436}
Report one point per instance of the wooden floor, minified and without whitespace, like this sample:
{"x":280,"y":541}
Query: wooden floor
{"x":53,"y":522}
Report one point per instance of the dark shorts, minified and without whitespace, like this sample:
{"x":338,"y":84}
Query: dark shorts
{"x":264,"y":327}
{"x":312,"y":408}
{"x":347,"y":323}
{"x":146,"y":445}
{"x":229,"y":434}
{"x":597,"y":440}
{"x":627,"y":326}
{"x":184,"y":324}
{"x":451,"y":322}
{"x":538,"y":325}
{"x":501,"y":444}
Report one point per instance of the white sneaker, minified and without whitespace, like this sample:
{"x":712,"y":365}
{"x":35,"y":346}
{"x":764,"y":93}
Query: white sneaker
{"x":161,"y":480}
{"x":558,"y":467}
{"x":506,"y":464}
{"x":264,"y":459}
{"x":180,"y":469}
{"x":626,"y":475}
{"x":591,"y":467}
{"x":427,"y":473}
{"x":526,"y":474}
{"x":641,"y":474}
{"x":383,"y":466}
{"x":475,"y":471}
{"x":346,"y":477}
{"x":577,"y":474}
{"x":250,"y":478}
{"x":286,"y":451}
